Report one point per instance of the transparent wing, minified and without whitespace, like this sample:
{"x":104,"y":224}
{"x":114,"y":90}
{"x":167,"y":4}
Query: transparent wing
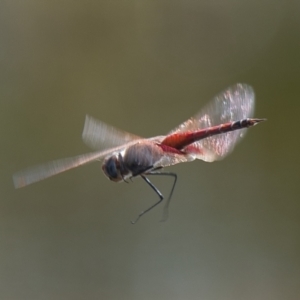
{"x":170,"y":159}
{"x":233,"y":104}
{"x":43,"y":171}
{"x":99,"y":135}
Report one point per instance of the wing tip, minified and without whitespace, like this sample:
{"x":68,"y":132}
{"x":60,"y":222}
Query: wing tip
{"x":243,"y":86}
{"x":19,"y":181}
{"x":86,"y":125}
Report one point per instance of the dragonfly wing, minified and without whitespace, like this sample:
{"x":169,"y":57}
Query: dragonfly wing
{"x":43,"y":171}
{"x":172,"y":159}
{"x":235,"y":103}
{"x":99,"y":135}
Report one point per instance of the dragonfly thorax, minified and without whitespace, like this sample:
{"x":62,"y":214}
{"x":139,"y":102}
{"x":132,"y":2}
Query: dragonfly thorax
{"x":135,"y":160}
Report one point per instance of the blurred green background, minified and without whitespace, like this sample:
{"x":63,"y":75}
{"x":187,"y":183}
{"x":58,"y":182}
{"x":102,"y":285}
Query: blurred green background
{"x":146,"y":66}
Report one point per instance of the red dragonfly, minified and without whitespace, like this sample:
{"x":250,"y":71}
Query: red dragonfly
{"x":209,"y":135}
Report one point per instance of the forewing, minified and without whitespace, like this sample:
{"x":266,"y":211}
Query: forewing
{"x":99,"y":135}
{"x":233,"y":104}
{"x":43,"y":171}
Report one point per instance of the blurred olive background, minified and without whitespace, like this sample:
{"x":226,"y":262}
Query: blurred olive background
{"x":146,"y":66}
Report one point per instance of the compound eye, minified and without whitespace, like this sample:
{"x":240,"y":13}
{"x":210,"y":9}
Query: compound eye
{"x":110,"y":169}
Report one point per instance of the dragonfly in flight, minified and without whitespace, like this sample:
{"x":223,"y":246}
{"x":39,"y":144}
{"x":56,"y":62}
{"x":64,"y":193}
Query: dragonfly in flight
{"x":209,"y":135}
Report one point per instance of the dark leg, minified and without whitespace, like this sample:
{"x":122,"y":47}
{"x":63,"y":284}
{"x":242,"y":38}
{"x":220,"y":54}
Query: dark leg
{"x":166,"y":208}
{"x":165,"y":213}
{"x":161,"y":197}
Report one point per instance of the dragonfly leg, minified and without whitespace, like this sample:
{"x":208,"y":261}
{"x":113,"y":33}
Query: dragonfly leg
{"x":166,"y":208}
{"x":161,"y":197}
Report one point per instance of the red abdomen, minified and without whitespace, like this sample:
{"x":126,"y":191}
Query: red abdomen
{"x":179,"y":140}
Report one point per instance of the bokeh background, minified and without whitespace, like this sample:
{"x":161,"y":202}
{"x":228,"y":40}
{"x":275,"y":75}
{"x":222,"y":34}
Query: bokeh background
{"x":146,"y":66}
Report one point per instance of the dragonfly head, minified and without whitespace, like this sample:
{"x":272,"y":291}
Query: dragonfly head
{"x":113,"y":168}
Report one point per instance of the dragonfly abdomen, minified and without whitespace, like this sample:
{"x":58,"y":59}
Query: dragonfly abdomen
{"x":179,"y":140}
{"x":226,"y":127}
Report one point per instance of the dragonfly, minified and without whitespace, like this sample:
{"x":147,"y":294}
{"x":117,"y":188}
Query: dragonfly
{"x":210,"y":135}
